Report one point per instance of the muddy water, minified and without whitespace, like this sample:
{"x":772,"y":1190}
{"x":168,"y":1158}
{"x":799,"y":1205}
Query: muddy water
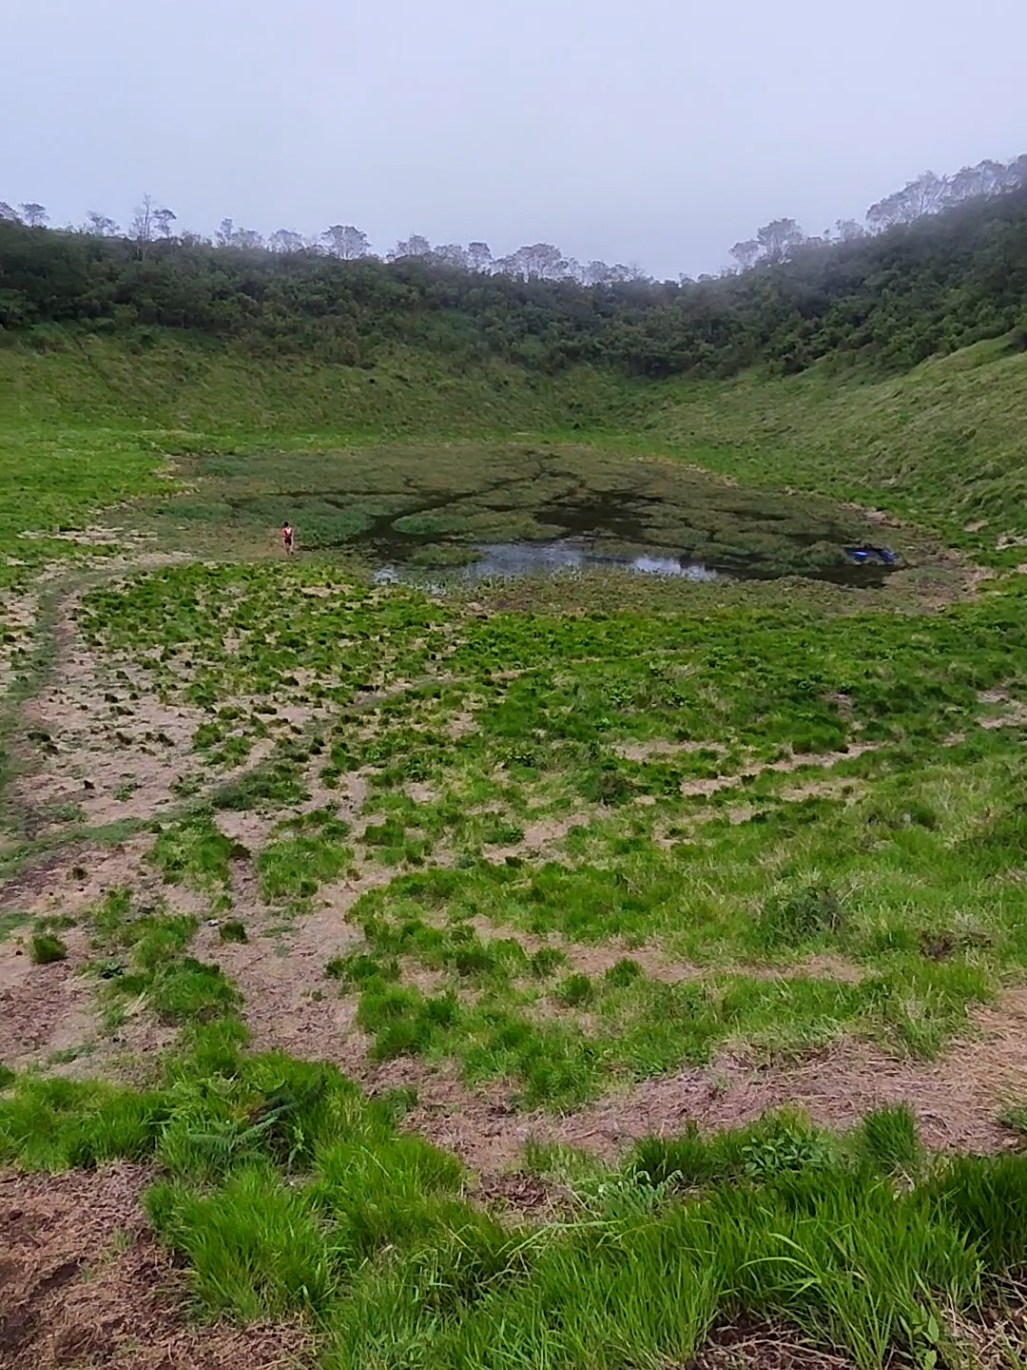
{"x":620,"y":531}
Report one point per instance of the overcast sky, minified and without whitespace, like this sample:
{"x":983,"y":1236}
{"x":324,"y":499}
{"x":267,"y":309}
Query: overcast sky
{"x":651,"y":131}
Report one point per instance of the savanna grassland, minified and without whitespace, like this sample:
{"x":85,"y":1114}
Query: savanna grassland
{"x":571,"y":972}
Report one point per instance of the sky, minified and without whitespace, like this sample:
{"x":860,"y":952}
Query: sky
{"x":657,"y":132}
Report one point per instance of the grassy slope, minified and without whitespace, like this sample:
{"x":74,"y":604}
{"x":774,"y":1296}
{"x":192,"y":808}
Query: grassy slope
{"x":944,"y":445}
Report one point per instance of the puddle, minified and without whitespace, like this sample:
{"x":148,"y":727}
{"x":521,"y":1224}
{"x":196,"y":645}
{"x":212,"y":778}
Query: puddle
{"x":467,"y":511}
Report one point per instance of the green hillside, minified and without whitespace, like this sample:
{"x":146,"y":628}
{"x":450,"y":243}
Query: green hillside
{"x":944,"y":445}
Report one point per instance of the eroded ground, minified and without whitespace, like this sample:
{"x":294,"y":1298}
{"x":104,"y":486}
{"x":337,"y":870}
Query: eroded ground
{"x":559,"y":890}
{"x":86,"y":1284}
{"x":543,"y":889}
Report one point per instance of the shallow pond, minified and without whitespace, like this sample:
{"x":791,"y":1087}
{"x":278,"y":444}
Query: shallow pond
{"x":467,"y":511}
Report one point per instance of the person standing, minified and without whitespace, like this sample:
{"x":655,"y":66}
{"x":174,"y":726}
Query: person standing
{"x":288,"y":538}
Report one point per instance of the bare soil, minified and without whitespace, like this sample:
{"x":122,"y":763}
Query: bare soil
{"x":956,"y":1099}
{"x":83,"y":1283}
{"x":754,"y":1346}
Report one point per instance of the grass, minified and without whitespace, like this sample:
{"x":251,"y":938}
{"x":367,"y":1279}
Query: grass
{"x":603,"y":828}
{"x":143,"y":958}
{"x":47,"y":948}
{"x":194,"y":851}
{"x":941,"y":445}
{"x":286,"y":1192}
{"x":753,"y":787}
{"x":938,"y":446}
{"x":306,"y":852}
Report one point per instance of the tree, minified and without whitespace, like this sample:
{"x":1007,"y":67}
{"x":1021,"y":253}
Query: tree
{"x":414,"y":246}
{"x":849,"y":230}
{"x":100,"y":226}
{"x":623,"y":274}
{"x":479,"y":257}
{"x":6,"y":212}
{"x":595,"y":273}
{"x":453,"y":255}
{"x":926,"y":195}
{"x":163,"y":220}
{"x":248,"y":239}
{"x":746,"y":254}
{"x":345,"y":241}
{"x":779,"y":238}
{"x":285,"y":240}
{"x":33,"y":214}
{"x":534,"y":262}
{"x":143,"y":220}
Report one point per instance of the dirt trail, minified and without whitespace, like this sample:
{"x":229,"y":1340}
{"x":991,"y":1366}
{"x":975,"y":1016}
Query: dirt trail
{"x":93,"y":752}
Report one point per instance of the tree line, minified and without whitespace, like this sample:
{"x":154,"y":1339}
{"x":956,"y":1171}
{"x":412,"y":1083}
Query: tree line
{"x":937,"y":265}
{"x":774,"y":242}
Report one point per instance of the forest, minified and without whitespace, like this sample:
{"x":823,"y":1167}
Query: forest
{"x":936,"y":266}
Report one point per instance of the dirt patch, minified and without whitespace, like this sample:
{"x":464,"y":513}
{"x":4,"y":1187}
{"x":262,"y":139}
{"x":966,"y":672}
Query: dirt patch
{"x":754,"y":1346}
{"x":659,"y":746}
{"x":1013,"y":712}
{"x":83,"y":1283}
{"x":76,"y":878}
{"x":18,"y":614}
{"x":820,"y":760}
{"x":290,"y":1005}
{"x":49,"y":1014}
{"x":44,"y":1010}
{"x":835,"y":787}
{"x":659,"y":964}
{"x":956,"y":1099}
{"x":541,"y":836}
{"x":97,"y":753}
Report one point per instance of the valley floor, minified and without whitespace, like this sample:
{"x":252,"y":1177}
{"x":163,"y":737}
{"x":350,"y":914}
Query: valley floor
{"x":574,"y":973}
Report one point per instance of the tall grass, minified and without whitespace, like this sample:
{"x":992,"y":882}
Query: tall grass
{"x":286,"y":1192}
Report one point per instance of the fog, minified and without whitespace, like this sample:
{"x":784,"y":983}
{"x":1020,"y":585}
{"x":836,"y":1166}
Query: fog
{"x":658,"y":133}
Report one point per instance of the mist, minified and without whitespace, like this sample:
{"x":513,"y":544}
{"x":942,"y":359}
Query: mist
{"x":657,"y":135}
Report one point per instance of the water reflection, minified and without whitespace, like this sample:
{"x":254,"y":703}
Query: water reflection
{"x":529,"y":558}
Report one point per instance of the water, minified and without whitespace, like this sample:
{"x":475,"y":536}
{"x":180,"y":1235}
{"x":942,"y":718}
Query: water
{"x":458,"y":515}
{"x":561,"y":554}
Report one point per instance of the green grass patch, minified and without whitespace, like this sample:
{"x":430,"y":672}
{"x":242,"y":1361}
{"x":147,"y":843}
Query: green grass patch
{"x":48,"y":948}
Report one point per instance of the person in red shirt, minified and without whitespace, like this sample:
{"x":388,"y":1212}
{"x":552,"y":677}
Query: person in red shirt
{"x":288,"y":538}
